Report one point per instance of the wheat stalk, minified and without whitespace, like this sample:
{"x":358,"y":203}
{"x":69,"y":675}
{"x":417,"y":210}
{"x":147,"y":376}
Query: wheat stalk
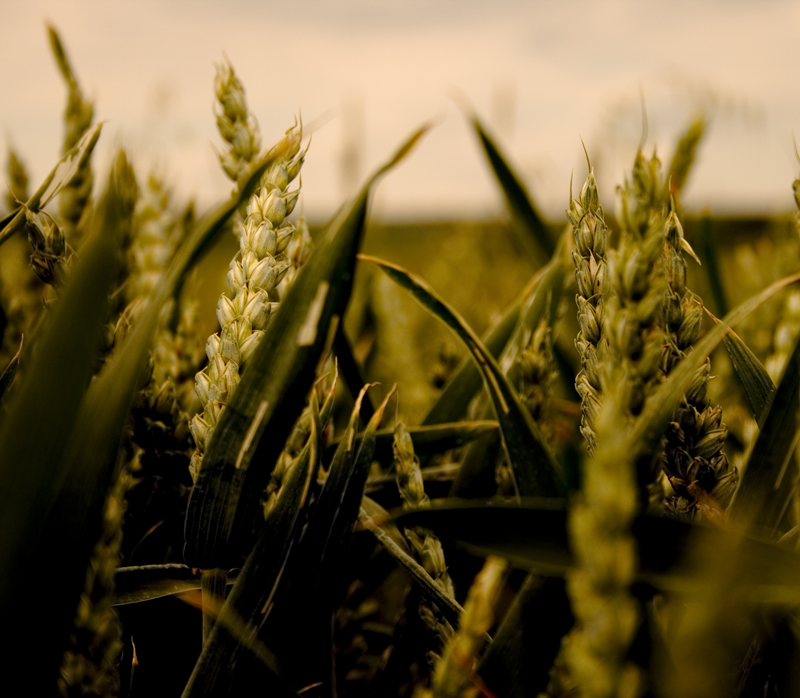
{"x":244,"y":311}
{"x":698,"y":472}
{"x":78,"y":117}
{"x":600,"y":518}
{"x":590,"y":237}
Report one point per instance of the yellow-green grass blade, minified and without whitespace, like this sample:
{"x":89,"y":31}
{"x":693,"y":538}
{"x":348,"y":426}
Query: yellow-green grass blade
{"x":7,"y":378}
{"x":710,"y":255}
{"x":298,"y":628}
{"x":250,"y":598}
{"x":34,"y":466}
{"x":147,"y":582}
{"x":467,"y":380}
{"x":340,"y":500}
{"x":60,"y":55}
{"x":375,"y":518}
{"x":758,"y":388}
{"x":253,"y":427}
{"x":682,"y":163}
{"x":768,"y":480}
{"x":476,"y":474}
{"x":527,"y":219}
{"x":59,"y":177}
{"x":533,"y":536}
{"x":534,"y":466}
{"x":428,"y":440}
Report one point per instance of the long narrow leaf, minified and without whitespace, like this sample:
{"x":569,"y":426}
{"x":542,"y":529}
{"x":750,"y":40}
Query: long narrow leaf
{"x":534,"y":466}
{"x":87,"y":452}
{"x":298,"y":628}
{"x":527,"y":219}
{"x":374,"y":518}
{"x":758,"y":388}
{"x":467,"y":380}
{"x":767,"y":482}
{"x":59,"y":177}
{"x":250,"y":597}
{"x":343,"y":500}
{"x":223,"y":508}
{"x":33,"y":469}
{"x":534,"y":536}
{"x":148,"y":582}
{"x":432,"y":439}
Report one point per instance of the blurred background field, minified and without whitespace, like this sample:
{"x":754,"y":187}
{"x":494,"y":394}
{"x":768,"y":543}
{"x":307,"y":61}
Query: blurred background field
{"x":541,"y":77}
{"x":364,"y":75}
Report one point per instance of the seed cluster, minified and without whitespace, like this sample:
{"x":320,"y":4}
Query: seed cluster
{"x":261,"y":264}
{"x":78,"y":117}
{"x":236,"y":125}
{"x":425,"y":544}
{"x":698,"y":472}
{"x":590,"y":235}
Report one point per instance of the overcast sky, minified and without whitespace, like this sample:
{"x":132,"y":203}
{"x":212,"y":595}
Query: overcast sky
{"x":367,"y":73}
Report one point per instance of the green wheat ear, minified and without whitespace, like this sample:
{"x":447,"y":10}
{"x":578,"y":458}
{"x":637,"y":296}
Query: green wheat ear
{"x":590,"y":237}
{"x":78,"y":117}
{"x":600,"y":518}
{"x":426,"y":546}
{"x":252,"y":280}
{"x":699,"y":476}
{"x":236,"y":124}
{"x":261,"y":263}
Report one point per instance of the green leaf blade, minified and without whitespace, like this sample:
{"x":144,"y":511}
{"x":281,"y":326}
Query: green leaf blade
{"x":766,"y":484}
{"x":535,"y":467}
{"x":527,"y":218}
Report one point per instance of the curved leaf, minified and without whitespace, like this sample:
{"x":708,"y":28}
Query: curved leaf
{"x":768,"y":482}
{"x":758,"y":388}
{"x":467,"y":380}
{"x":534,"y":466}
{"x":433,"y":439}
{"x":527,"y":219}
{"x":534,"y":536}
{"x":148,"y":582}
{"x":60,"y":176}
{"x":476,"y":474}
